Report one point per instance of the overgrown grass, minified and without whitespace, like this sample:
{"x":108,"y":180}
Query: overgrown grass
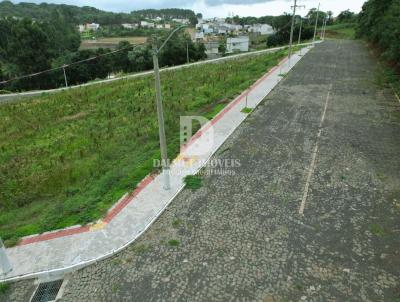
{"x":341,"y":31}
{"x":246,"y":110}
{"x":193,"y":182}
{"x":67,"y":157}
{"x":174,"y":242}
{"x":3,"y":288}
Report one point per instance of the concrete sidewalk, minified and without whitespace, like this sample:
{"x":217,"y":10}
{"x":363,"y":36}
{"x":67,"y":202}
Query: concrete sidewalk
{"x":52,"y":254}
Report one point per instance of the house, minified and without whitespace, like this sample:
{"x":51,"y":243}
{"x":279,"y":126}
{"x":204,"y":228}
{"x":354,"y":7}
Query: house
{"x":212,"y":49}
{"x":262,"y":29}
{"x":182,"y":21}
{"x":92,"y":26}
{"x":146,"y":24}
{"x":81,"y":28}
{"x":129,"y":26}
{"x":167,"y":26}
{"x":237,"y":44}
{"x":223,"y":30}
{"x":159,"y":26}
{"x":199,"y":36}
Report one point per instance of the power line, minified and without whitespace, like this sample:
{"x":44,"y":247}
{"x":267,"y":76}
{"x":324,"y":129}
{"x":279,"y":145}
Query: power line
{"x":71,"y":64}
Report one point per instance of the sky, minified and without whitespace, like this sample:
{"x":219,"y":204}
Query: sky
{"x":217,"y":8}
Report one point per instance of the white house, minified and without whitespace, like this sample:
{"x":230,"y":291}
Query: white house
{"x":81,"y":28}
{"x":199,"y":35}
{"x":237,"y":44}
{"x":263,"y":29}
{"x":212,"y":49}
{"x":92,"y":26}
{"x":129,"y":25}
{"x":182,"y":21}
{"x":146,"y":24}
{"x":167,"y":26}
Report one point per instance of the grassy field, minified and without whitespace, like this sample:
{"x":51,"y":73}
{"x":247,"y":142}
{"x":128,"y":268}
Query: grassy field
{"x":341,"y":31}
{"x":110,"y":42}
{"x":66,"y":158}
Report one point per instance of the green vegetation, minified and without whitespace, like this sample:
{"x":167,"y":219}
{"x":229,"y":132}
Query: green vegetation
{"x":341,"y":31}
{"x":67,"y":157}
{"x":28,"y":46}
{"x":193,"y":182}
{"x":87,"y":14}
{"x":379,"y":23}
{"x":18,"y":57}
{"x":246,"y":110}
{"x":3,"y":288}
{"x":173,"y":242}
{"x":176,"y":223}
{"x":377,"y":230}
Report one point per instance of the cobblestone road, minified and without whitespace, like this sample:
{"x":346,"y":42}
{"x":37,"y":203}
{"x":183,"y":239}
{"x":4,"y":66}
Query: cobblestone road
{"x":241,"y":238}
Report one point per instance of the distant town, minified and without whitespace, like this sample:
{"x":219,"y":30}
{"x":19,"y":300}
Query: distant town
{"x":212,"y":32}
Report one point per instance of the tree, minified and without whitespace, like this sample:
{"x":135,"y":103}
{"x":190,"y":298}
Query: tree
{"x":222,"y":48}
{"x":379,"y":23}
{"x":330,"y":17}
{"x":312,"y":16}
{"x":140,"y":58}
{"x":346,"y":16}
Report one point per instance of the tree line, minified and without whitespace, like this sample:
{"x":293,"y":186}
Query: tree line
{"x":379,"y":23}
{"x":28,"y":46}
{"x":87,"y":14}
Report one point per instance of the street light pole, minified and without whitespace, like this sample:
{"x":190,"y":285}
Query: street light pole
{"x":160,"y":112}
{"x":301,"y":25}
{"x":161,"y":122}
{"x":324,"y":29}
{"x":291,"y":30}
{"x":316,"y":23}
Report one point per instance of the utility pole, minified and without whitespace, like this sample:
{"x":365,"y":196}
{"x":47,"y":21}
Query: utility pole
{"x":291,"y":30}
{"x":160,"y":112}
{"x":65,"y":76}
{"x":301,"y":25}
{"x":324,"y":29}
{"x":161,"y":122}
{"x":316,"y":23}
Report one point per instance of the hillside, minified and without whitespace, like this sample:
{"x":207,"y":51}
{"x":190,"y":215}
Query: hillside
{"x":85,"y":14}
{"x":67,"y":158}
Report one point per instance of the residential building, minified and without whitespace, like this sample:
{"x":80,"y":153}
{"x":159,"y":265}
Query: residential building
{"x":146,"y":24}
{"x":182,"y":21}
{"x":212,"y":49}
{"x":129,"y":26}
{"x":199,"y":35}
{"x":92,"y":26}
{"x":262,"y":29}
{"x":237,"y":44}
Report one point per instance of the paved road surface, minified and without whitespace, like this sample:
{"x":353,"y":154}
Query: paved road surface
{"x":326,"y":143}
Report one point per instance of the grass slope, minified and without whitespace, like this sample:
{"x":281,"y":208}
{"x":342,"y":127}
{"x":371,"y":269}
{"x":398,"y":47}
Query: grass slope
{"x":341,"y":31}
{"x":66,"y":158}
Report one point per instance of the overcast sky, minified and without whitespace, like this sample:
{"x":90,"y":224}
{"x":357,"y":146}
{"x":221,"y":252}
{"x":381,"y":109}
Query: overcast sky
{"x":217,"y":8}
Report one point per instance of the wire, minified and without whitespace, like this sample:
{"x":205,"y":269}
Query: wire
{"x":71,"y":64}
